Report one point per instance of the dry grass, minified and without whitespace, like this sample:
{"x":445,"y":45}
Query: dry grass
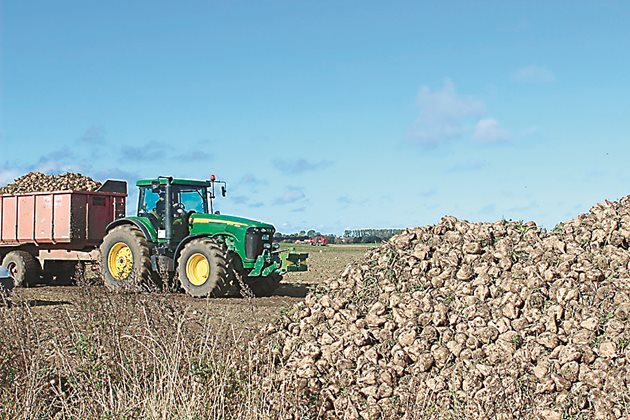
{"x":84,"y":352}
{"x":120,"y":356}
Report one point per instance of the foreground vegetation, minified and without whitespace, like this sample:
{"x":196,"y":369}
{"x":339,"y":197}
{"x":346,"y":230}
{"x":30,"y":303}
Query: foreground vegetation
{"x":121,"y":356}
{"x":83,"y":352}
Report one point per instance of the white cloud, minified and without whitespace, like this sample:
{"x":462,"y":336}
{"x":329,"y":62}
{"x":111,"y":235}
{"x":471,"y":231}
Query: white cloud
{"x":488,"y":130}
{"x":291,"y":195}
{"x":534,"y":74}
{"x":94,"y":136}
{"x":345,"y":200}
{"x":251,"y":179}
{"x":298,"y":166}
{"x":444,"y":115}
{"x":8,"y":175}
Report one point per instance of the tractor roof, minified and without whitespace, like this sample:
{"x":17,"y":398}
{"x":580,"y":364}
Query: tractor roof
{"x":176,"y":181}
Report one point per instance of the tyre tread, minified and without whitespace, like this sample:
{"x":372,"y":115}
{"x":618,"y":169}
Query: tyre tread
{"x":32,"y":268}
{"x":220,"y":266}
{"x":144,"y":271}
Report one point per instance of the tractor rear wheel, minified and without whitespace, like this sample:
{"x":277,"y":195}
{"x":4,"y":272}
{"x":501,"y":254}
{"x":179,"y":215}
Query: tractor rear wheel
{"x":125,"y":259}
{"x":23,"y":267}
{"x":264,"y":286}
{"x":203,"y":268}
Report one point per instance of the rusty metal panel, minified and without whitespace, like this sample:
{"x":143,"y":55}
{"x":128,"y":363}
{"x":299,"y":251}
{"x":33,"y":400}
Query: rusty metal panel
{"x":78,"y":217}
{"x":26,"y":218}
{"x":9,"y":220}
{"x":43,"y":218}
{"x":61,"y":218}
{"x":67,"y":255}
{"x":100,"y":213}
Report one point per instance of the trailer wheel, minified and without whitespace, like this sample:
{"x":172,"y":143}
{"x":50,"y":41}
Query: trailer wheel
{"x":125,"y":259}
{"x":264,"y":286}
{"x":202,"y":268}
{"x":24,"y":268}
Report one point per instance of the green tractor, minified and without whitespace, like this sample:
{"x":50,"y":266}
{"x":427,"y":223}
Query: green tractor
{"x":176,"y":235}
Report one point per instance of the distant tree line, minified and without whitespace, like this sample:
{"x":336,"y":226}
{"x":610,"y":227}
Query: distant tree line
{"x":357,"y":236}
{"x":383,"y":234}
{"x":303,"y":235}
{"x":370,"y":239}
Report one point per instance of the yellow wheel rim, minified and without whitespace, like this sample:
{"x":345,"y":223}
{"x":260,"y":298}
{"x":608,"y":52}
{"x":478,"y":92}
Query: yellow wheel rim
{"x":197,"y":269}
{"x":120,"y":261}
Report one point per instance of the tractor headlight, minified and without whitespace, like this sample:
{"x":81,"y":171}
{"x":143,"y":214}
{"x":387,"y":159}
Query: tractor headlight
{"x":276,"y":245}
{"x":267,"y":246}
{"x":265,"y":237}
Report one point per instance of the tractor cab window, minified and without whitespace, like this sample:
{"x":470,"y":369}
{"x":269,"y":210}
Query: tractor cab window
{"x":149,"y":200}
{"x":151,"y":205}
{"x":184,"y":199}
{"x":193,"y":198}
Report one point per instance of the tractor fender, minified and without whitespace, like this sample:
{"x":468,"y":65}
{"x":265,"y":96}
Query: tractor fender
{"x":129,"y":221}
{"x":189,"y":238}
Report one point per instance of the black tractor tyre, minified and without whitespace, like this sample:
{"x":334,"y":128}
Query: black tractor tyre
{"x":23,"y":267}
{"x":203,"y":268}
{"x":126,"y":259}
{"x":264,"y":286}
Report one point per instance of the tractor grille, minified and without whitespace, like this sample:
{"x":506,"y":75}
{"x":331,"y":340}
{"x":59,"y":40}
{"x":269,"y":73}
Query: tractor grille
{"x":256,"y":240}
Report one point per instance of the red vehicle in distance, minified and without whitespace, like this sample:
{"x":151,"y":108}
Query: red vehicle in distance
{"x":319,"y":240}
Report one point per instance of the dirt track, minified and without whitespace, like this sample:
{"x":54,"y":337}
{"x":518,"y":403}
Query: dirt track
{"x":49,"y":303}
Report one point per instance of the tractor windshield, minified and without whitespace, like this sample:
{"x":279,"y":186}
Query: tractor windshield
{"x":192,"y":198}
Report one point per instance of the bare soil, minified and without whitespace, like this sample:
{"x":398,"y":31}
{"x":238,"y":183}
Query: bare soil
{"x":49,"y":303}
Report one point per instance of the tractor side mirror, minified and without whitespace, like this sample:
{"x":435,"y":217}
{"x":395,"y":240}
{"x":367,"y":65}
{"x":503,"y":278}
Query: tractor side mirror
{"x":223,"y":191}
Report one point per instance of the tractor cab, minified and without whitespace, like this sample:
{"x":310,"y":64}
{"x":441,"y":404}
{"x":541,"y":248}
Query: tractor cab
{"x":172,"y":212}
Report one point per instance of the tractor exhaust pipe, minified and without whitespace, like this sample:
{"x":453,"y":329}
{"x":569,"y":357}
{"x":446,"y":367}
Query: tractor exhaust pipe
{"x":168,"y":212}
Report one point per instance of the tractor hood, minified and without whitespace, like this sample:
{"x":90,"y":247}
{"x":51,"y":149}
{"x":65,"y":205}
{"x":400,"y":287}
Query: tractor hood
{"x":232,"y":221}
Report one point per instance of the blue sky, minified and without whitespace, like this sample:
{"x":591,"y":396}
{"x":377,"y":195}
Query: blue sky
{"x":328,"y":114}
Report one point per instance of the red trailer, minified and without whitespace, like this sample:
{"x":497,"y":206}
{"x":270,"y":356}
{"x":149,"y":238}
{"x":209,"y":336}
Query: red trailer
{"x":49,"y":232}
{"x":319,"y":240}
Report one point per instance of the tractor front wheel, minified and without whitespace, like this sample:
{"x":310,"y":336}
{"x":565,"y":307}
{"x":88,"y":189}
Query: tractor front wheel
{"x":125,"y":259}
{"x":203,"y":268}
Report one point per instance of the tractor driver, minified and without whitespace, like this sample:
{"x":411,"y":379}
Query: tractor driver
{"x":158,"y":210}
{"x":160,"y":206}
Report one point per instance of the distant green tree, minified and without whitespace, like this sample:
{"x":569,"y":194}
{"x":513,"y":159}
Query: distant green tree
{"x":371,"y":239}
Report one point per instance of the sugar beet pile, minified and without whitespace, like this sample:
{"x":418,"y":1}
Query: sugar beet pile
{"x":471,"y":320}
{"x":40,"y":182}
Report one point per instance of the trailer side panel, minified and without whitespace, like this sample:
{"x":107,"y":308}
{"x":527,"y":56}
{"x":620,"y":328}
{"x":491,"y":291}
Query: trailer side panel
{"x":72,"y":220}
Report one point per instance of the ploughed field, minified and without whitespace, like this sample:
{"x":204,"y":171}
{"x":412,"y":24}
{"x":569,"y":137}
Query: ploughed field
{"x":245,"y":316}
